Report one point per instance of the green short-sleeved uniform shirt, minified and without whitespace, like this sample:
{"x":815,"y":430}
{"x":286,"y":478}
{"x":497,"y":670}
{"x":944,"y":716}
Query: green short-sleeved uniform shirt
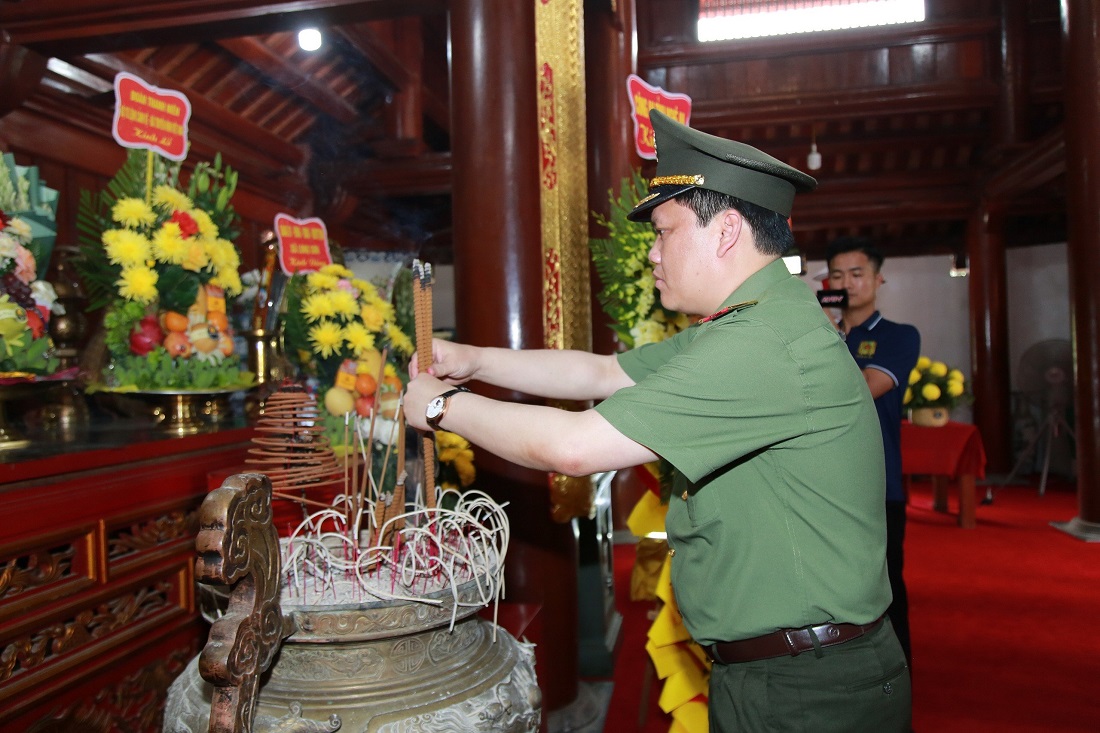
{"x":778,"y":516}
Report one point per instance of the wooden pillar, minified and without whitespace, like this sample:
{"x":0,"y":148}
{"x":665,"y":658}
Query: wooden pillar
{"x":1081,"y":42}
{"x":20,"y":72}
{"x":989,"y":335}
{"x":1011,"y":119}
{"x":498,"y":294}
{"x":610,"y":57}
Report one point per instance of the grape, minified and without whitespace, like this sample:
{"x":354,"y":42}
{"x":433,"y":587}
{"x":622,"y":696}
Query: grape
{"x":17,"y":290}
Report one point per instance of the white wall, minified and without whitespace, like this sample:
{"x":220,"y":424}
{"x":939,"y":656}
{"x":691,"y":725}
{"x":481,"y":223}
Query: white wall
{"x":919,"y":290}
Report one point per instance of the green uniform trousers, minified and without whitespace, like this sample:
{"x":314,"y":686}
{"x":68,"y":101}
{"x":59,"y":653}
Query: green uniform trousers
{"x":860,"y":686}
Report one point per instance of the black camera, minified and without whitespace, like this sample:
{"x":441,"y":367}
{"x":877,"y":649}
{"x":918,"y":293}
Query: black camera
{"x":833,"y":298}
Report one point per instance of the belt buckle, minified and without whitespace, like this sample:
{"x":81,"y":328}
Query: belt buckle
{"x":793,"y":650}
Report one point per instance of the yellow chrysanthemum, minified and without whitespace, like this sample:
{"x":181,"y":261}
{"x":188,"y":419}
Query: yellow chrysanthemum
{"x":326,"y":337}
{"x":358,"y":338}
{"x":372,"y":318}
{"x":337,"y":271}
{"x":319,"y":281}
{"x":930,"y":392}
{"x":465,"y":469}
{"x":207,"y":227}
{"x":955,"y":388}
{"x":938,"y":369}
{"x":171,"y":199}
{"x":648,"y":331}
{"x":914,"y":376}
{"x":194,"y":255}
{"x":955,"y":376}
{"x":400,"y":341}
{"x":344,"y":303}
{"x":367,"y":290}
{"x":223,"y":255}
{"x":446,"y":439}
{"x":133,"y":213}
{"x":908,"y":396}
{"x":138,"y":283}
{"x":169,"y":245}
{"x":230,"y":280}
{"x":126,"y":247}
{"x":923,"y":363}
{"x":389,"y":371}
{"x":318,"y":306}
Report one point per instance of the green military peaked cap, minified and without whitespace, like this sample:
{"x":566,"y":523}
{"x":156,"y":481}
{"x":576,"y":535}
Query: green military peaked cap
{"x":688,"y":159}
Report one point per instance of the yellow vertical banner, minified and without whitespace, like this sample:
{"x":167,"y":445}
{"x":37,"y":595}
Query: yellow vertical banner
{"x":563,"y":194}
{"x":563,"y":169}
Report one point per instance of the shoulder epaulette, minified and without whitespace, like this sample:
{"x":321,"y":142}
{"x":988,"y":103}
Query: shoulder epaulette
{"x":727,"y":310}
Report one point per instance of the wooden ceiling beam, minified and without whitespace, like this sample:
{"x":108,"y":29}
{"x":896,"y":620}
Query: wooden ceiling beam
{"x":58,"y":27}
{"x":425,"y":175}
{"x":260,"y":57}
{"x":824,"y":208}
{"x":390,"y":64}
{"x":1042,"y":161}
{"x":809,"y":107}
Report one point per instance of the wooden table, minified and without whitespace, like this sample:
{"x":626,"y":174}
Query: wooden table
{"x":952,"y":452}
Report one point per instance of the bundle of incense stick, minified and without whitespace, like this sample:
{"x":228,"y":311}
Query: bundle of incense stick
{"x":290,"y":445}
{"x":422,"y":310}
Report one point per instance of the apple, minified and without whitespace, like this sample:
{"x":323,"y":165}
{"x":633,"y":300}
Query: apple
{"x":146,"y":336}
{"x":364,"y":405}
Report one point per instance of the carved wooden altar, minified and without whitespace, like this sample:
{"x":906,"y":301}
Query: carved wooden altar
{"x":97,"y":610}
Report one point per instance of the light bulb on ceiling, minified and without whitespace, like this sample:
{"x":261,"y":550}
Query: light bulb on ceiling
{"x":814,"y":159}
{"x":309,"y":39}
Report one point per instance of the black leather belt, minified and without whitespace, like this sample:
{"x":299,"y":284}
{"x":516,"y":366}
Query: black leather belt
{"x":787,"y":642}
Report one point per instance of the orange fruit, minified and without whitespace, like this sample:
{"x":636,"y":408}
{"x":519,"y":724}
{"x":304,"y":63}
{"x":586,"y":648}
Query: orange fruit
{"x":218,"y":320}
{"x":177,"y":344}
{"x":392,"y":383}
{"x":174,"y":322}
{"x":365,"y":385}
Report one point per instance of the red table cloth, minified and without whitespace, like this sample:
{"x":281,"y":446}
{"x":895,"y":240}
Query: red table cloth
{"x":952,"y":450}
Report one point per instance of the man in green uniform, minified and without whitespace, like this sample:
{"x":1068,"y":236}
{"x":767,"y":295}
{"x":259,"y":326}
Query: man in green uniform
{"x":777,"y":526}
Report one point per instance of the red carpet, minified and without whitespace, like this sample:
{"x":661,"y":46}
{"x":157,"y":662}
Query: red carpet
{"x":1004,"y":617}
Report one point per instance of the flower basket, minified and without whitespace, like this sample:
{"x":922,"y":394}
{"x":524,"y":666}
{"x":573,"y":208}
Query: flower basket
{"x":934,"y":390}
{"x":930,"y":417}
{"x":27,"y":302}
{"x":160,"y":258}
{"x":343,"y":337}
{"x":629,"y":294}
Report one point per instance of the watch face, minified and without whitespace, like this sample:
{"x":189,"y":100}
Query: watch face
{"x":434,"y":408}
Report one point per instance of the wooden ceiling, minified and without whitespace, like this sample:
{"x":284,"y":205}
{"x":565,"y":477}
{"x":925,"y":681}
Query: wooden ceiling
{"x":917,"y":125}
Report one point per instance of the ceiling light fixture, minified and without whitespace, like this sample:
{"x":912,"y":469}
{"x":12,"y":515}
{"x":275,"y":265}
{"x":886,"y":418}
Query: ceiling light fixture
{"x":813,"y":160}
{"x":309,"y":39}
{"x":960,"y":265}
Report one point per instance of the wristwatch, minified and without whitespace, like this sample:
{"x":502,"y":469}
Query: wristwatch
{"x":437,"y":407}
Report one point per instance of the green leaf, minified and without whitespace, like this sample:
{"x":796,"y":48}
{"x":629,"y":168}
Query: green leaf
{"x":177,"y":288}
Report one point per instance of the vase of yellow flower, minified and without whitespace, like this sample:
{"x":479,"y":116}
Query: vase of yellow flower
{"x":934,"y":390}
{"x":161,"y":259}
{"x":342,"y":333}
{"x":629,"y":294}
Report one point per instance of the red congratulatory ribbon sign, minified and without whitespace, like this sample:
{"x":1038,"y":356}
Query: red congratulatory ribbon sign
{"x":644,"y":98}
{"x":303,"y":244}
{"x":150,"y":118}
